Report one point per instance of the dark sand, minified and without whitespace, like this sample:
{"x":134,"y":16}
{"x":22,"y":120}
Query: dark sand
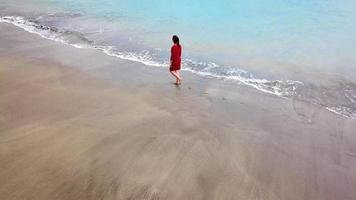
{"x":77,"y":124}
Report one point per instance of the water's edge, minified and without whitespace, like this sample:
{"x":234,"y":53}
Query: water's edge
{"x":282,"y":88}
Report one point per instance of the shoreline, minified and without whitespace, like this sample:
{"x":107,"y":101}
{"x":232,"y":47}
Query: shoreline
{"x":289,"y":89}
{"x":283,"y":88}
{"x":77,"y":124}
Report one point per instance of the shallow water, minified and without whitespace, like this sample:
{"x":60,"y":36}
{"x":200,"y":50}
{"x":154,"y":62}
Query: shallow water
{"x":293,"y":49}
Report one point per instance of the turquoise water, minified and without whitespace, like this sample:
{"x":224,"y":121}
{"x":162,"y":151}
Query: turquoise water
{"x":309,"y":34}
{"x":316,"y":33}
{"x":292,"y":48}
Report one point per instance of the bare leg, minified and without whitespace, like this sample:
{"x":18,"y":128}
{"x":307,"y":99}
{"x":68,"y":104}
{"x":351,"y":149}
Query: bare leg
{"x":176,"y":76}
{"x":180,"y":79}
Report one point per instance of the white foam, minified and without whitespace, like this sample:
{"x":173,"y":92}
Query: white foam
{"x":281,"y":88}
{"x":141,"y":57}
{"x":29,"y":27}
{"x":146,"y":59}
{"x":343,"y":111}
{"x":284,"y":89}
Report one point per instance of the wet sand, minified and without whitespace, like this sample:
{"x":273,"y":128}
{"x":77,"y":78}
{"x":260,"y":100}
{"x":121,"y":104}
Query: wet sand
{"x":77,"y":124}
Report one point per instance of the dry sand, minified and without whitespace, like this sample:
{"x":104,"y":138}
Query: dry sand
{"x":73,"y":129}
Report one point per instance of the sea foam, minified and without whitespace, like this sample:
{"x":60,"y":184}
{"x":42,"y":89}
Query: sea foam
{"x":281,"y":88}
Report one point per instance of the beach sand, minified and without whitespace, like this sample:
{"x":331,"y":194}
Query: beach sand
{"x":77,"y":124}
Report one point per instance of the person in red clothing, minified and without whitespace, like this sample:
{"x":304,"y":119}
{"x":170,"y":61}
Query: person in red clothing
{"x":176,"y":53}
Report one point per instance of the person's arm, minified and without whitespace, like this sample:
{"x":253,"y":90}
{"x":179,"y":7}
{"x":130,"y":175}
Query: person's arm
{"x":171,"y":56}
{"x":180,"y":52}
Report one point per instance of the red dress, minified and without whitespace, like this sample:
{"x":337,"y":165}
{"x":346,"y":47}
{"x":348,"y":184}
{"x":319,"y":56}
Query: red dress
{"x":176,"y":53}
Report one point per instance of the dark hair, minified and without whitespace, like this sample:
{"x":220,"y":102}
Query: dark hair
{"x":175,"y":39}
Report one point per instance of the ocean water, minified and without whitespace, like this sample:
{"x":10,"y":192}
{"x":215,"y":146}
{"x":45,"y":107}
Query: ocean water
{"x":301,"y":49}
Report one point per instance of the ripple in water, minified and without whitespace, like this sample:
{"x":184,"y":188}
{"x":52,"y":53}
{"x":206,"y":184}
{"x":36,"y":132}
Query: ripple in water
{"x":340,"y":99}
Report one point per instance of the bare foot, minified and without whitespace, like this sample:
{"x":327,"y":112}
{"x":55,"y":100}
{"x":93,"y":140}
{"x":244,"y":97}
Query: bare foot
{"x":180,"y":81}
